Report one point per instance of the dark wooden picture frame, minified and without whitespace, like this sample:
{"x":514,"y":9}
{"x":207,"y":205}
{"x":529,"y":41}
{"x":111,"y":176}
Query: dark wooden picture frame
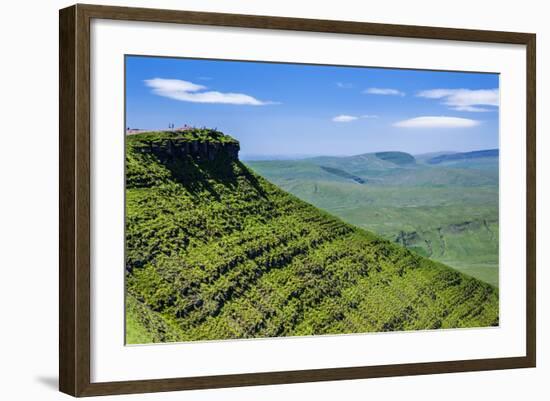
{"x":74,"y":203}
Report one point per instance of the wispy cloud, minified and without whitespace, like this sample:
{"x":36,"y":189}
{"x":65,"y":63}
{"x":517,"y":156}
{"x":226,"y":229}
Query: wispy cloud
{"x":437,"y":122}
{"x":344,"y":85}
{"x":346,"y":118}
{"x":465,"y":99}
{"x":384,"y":91}
{"x":186,"y":91}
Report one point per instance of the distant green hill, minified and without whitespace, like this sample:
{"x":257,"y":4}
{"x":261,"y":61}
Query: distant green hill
{"x":478,"y":154}
{"x":214,"y":251}
{"x":364,"y":163}
{"x":400,"y":158}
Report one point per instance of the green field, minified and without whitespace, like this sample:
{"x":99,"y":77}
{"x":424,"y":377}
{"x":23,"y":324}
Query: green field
{"x":216,"y":251}
{"x":446,"y":211}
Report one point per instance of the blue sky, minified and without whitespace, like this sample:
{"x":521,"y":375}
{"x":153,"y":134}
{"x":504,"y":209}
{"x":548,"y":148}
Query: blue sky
{"x":290,"y":109}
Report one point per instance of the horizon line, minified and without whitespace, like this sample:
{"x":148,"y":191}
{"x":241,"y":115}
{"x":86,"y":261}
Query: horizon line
{"x":312,"y":155}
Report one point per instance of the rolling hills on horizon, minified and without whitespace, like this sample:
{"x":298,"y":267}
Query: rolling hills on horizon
{"x":429,"y":157}
{"x":216,"y":251}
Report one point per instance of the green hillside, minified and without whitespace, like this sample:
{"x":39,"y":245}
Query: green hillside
{"x":446,"y":211}
{"x":214,"y":251}
{"x":400,"y":158}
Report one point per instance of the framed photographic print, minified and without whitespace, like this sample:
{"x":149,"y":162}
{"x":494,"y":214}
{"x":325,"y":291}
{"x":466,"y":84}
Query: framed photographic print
{"x":250,"y":200}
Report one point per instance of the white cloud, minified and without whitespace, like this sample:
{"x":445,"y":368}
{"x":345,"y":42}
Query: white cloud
{"x":473,"y":109}
{"x":344,"y":85}
{"x":437,"y":122}
{"x":465,"y":99}
{"x":186,"y":91}
{"x":344,"y":118}
{"x":384,"y":91}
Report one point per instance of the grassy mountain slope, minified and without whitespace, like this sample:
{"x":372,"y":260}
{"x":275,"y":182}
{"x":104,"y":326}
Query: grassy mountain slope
{"x":446,"y":211}
{"x":215,"y":251}
{"x":477,"y":154}
{"x":399,"y":158}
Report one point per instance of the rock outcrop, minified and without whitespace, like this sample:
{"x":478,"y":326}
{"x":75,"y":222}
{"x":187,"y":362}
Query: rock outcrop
{"x":206,"y":150}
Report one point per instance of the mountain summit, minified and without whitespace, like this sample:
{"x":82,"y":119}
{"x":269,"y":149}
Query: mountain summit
{"x":215,"y":251}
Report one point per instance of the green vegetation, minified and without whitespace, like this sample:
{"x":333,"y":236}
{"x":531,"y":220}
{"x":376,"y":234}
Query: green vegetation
{"x":461,"y":156}
{"x":446,"y":211}
{"x":215,"y":251}
{"x":343,"y":174}
{"x":145,"y":326}
{"x":189,"y":135}
{"x":399,"y":158}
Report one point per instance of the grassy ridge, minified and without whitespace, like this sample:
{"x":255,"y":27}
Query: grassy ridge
{"x":215,"y":251}
{"x":447,"y":212}
{"x":399,"y":158}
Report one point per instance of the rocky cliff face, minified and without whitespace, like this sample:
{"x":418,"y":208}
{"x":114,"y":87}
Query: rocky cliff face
{"x":201,"y":148}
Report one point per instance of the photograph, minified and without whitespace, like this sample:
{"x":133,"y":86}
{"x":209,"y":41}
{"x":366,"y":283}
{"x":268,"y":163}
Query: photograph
{"x":275,"y":199}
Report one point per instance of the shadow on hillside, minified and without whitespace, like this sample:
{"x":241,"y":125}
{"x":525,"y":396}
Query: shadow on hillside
{"x":199,"y":176}
{"x":251,"y":178}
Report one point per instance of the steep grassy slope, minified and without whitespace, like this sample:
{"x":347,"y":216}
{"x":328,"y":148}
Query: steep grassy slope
{"x":215,"y":251}
{"x":447,"y":211}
